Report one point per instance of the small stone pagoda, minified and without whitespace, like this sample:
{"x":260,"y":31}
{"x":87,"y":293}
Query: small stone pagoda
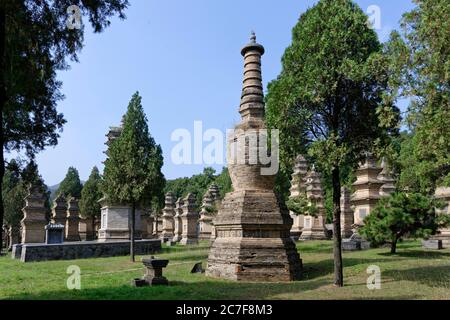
{"x":385,"y":176}
{"x":34,"y":217}
{"x":314,"y":226}
{"x":167,"y":217}
{"x":252,"y":234}
{"x":59,"y":210}
{"x":298,"y":188}
{"x":189,"y":221}
{"x":178,"y":223}
{"x":72,"y":221}
{"x":347,"y":217}
{"x":367,"y":189}
{"x":206,"y":216}
{"x":443,"y":194}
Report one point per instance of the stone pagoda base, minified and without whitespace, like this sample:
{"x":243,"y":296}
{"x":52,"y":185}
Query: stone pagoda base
{"x":314,"y":229}
{"x":253,"y":240}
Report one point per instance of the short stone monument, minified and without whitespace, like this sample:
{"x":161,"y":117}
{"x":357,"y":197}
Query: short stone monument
{"x":178,"y":223}
{"x":147,"y":226}
{"x":54,"y":233}
{"x":206,"y":216}
{"x":72,"y":220}
{"x":86,"y":229}
{"x":167,"y":217}
{"x":252,"y":234}
{"x":34,"y":217}
{"x":314,"y":225}
{"x":59,"y":210}
{"x":347,"y":217}
{"x":443,"y":194}
{"x":189,"y":220}
{"x":298,"y":188}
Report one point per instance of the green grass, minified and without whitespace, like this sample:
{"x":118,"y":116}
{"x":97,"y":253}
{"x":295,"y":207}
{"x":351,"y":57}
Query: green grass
{"x":413,"y":273}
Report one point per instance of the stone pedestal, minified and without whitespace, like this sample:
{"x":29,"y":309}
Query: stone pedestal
{"x":253,"y":240}
{"x":367,"y":190}
{"x":178,"y":223}
{"x":153,"y":271}
{"x":86,"y":229}
{"x":167,"y":217}
{"x":189,"y":221}
{"x":314,"y":226}
{"x":298,"y":188}
{"x":72,"y":221}
{"x":116,"y":222}
{"x":347,"y":217}
{"x":34,"y":217}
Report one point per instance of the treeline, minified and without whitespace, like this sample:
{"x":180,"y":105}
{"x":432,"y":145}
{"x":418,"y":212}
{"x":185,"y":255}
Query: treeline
{"x":198,"y":184}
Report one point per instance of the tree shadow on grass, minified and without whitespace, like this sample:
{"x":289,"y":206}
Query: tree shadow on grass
{"x":312,"y":270}
{"x":210,"y":289}
{"x":422,"y":254}
{"x":432,"y":276}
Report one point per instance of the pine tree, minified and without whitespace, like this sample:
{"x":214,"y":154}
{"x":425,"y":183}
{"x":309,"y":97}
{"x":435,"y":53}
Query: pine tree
{"x":36,"y":42}
{"x":403,"y":214}
{"x":71,"y":185}
{"x":90,"y":195}
{"x":132,"y":173}
{"x":332,"y":97}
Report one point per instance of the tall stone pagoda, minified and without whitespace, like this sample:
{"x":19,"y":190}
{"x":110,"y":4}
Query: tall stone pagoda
{"x":385,"y":177}
{"x":347,"y":217}
{"x":178,"y":223}
{"x":367,"y":189}
{"x":72,"y":221}
{"x":298,"y":188}
{"x":252,"y":234}
{"x":189,"y":221}
{"x":34,"y":219}
{"x":314,"y":226}
{"x":167,"y":217}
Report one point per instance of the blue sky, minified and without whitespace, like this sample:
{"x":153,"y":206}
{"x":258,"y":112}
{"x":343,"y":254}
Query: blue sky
{"x":183,"y":56}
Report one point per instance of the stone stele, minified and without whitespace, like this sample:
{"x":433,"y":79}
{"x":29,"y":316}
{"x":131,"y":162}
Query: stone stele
{"x":252,"y":234}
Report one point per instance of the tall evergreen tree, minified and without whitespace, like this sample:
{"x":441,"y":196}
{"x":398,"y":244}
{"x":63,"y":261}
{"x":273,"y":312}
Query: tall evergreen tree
{"x":90,"y":195}
{"x":13,"y":191}
{"x":420,"y":55}
{"x":132,"y":173}
{"x":37,"y":42}
{"x":332,"y":91}
{"x":71,"y":185}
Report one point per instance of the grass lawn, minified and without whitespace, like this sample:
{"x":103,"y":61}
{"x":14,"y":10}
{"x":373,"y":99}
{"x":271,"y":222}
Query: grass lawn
{"x":413,"y":273}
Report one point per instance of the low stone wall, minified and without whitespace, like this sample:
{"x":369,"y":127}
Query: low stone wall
{"x":82,"y":250}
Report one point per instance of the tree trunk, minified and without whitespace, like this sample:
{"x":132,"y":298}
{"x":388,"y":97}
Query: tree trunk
{"x":394,"y":245}
{"x":133,"y":222}
{"x":2,"y":103}
{"x":337,"y":239}
{"x":93,"y":235}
